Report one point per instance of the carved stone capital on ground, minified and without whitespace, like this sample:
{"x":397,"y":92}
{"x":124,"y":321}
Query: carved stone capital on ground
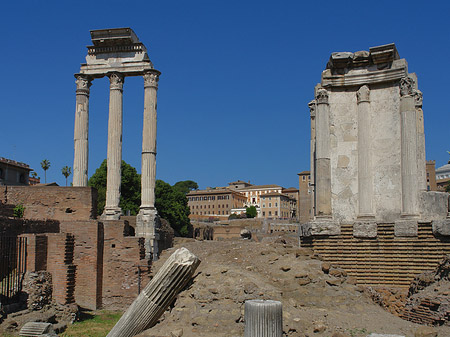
{"x":406,"y":86}
{"x":312,"y":108}
{"x":116,"y":81}
{"x":363,"y":94}
{"x":83,"y":84}
{"x":151,"y":79}
{"x":322,"y":96}
{"x":418,"y":98}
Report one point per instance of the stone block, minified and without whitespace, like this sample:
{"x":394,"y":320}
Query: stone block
{"x":441,"y":227}
{"x":365,"y":229}
{"x":405,"y":228}
{"x":325,"y":227}
{"x":433,"y":205}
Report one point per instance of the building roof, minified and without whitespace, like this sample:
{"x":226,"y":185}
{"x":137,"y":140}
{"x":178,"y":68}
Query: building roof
{"x":303,"y":173}
{"x":444,"y":168}
{"x":239,"y":182}
{"x":259,"y":187}
{"x":11,"y":162}
{"x":290,"y":189}
{"x":214,"y":191}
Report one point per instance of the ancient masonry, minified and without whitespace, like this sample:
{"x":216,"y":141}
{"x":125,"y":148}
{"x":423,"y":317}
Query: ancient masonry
{"x":118,"y":53}
{"x":372,"y":211}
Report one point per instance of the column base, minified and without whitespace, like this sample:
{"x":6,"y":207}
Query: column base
{"x":147,"y":224}
{"x":111,"y":214}
{"x":324,"y":225}
{"x":365,"y":226}
{"x":406,"y":227}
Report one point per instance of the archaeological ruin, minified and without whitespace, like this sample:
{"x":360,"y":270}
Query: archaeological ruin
{"x":118,"y":53}
{"x":372,"y":212}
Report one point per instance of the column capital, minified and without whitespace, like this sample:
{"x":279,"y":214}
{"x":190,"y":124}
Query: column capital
{"x":418,"y":98}
{"x":116,"y":81}
{"x":363,"y":94}
{"x":406,"y":86}
{"x":312,"y":108}
{"x":83,"y":83}
{"x":322,"y":96}
{"x":151,"y":79}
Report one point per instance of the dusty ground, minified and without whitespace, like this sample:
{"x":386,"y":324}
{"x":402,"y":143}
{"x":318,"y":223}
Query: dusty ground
{"x":314,"y":303}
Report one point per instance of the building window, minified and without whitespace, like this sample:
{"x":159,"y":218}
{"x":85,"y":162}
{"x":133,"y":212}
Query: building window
{"x":303,"y":178}
{"x":276,"y":204}
{"x":264,"y":205}
{"x":264,"y":213}
{"x":270,"y":204}
{"x":276,"y":212}
{"x":270,"y":213}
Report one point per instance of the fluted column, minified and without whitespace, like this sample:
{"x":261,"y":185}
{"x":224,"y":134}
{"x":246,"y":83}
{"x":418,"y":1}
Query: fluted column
{"x":157,"y":296}
{"x":114,"y":156}
{"x":323,"y":168}
{"x":81,"y":132}
{"x":421,"y":158}
{"x":408,"y":146}
{"x":312,"y":111}
{"x":365,"y":179}
{"x":148,"y":175}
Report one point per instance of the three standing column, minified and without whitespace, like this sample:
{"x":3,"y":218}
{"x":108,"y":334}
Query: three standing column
{"x":408,"y":147}
{"x":81,"y":132}
{"x":323,"y":168}
{"x":114,"y":156}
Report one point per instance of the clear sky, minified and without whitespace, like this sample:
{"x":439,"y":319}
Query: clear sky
{"x":236,"y":79}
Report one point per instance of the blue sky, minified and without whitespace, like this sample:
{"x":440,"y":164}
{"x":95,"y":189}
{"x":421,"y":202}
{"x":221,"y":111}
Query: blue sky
{"x":236,"y":79}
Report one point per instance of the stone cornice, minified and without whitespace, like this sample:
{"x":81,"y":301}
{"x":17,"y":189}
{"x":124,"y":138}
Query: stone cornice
{"x":127,"y":69}
{"x":361,"y":78}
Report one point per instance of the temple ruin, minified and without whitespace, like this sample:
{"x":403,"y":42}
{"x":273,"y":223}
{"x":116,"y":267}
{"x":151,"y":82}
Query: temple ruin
{"x":118,"y":53}
{"x":368,"y":162}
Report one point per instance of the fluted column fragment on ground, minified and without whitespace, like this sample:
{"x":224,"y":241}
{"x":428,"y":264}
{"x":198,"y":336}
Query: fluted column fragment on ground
{"x":263,"y":318}
{"x":151,"y":303}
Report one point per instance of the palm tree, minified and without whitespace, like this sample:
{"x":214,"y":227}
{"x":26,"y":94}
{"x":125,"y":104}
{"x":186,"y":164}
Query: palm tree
{"x":66,"y":172}
{"x":45,"y":164}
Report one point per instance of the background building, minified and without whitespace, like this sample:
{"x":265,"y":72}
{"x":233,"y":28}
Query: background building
{"x":442,"y":177}
{"x":305,"y":203}
{"x":13,"y":172}
{"x":214,"y":202}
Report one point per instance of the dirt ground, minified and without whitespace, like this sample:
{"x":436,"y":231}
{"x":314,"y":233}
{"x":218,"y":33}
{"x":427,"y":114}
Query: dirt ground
{"x":318,"y":299}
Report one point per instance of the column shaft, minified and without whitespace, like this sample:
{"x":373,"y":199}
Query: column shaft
{"x":408,"y":147}
{"x":81,"y":132}
{"x":365,"y":180}
{"x":312,"y":110}
{"x":323,"y":168}
{"x":148,"y":168}
{"x":421,"y":158}
{"x":114,"y":156}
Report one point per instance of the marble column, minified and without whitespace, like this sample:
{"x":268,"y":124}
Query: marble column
{"x":312,"y":112}
{"x":114,"y":157}
{"x":148,"y":167}
{"x":81,"y":132}
{"x":365,"y":179}
{"x":323,"y":168}
{"x":147,"y":221}
{"x":408,"y":147}
{"x":421,"y":158}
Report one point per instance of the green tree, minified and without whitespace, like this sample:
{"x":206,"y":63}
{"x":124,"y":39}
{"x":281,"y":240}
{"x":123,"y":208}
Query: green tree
{"x":45,"y":164}
{"x":66,"y":172}
{"x":130,"y":191}
{"x":172,"y":205}
{"x":251,"y":212}
{"x":185,"y":186}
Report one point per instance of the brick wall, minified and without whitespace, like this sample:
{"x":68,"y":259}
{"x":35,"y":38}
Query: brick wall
{"x":122,"y":256}
{"x":52,"y":202}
